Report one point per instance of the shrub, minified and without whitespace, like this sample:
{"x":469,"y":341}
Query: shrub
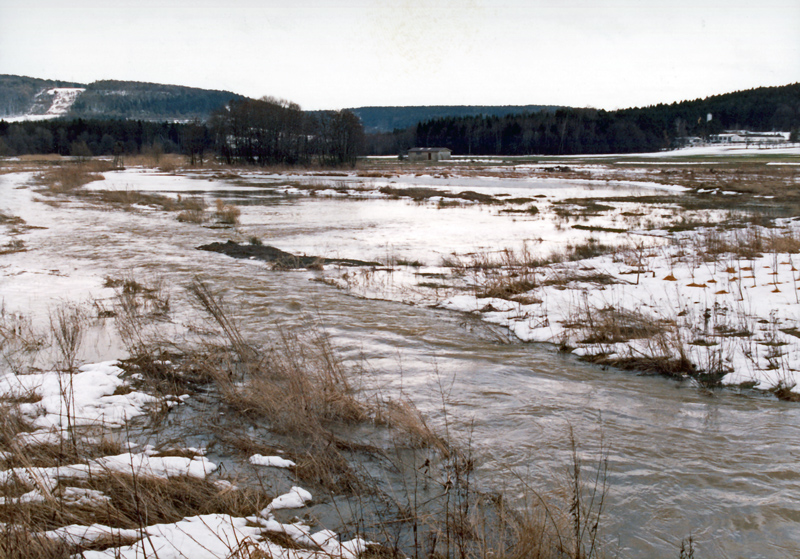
{"x":227,"y":214}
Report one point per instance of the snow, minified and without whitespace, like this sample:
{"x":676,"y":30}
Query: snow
{"x":273,"y":461}
{"x":712,"y":150}
{"x":296,"y":498}
{"x":209,"y":536}
{"x":757,"y":295}
{"x":706,"y":300}
{"x":63,"y":99}
{"x":78,"y":399}
{"x":143,"y":464}
{"x":212,"y":536}
{"x":326,"y":540}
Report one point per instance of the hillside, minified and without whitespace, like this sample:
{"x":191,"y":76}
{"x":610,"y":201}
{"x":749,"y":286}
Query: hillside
{"x":20,"y":95}
{"x":387,"y":119}
{"x":148,"y":101}
{"x":23,"y":98}
{"x":762,"y":108}
{"x":467,"y":130}
{"x":587,"y":131}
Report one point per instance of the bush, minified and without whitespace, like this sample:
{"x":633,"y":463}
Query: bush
{"x":227,"y":214}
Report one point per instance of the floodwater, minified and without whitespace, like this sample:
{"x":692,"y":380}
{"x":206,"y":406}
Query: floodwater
{"x":722,"y":467}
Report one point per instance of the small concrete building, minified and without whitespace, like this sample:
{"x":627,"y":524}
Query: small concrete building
{"x":428,"y":154}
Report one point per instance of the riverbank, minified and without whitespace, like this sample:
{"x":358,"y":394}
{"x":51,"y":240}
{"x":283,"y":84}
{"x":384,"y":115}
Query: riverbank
{"x":196,"y":441}
{"x":349,"y":217}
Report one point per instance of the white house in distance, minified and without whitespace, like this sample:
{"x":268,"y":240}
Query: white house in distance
{"x":747,"y":137}
{"x":429,"y":154}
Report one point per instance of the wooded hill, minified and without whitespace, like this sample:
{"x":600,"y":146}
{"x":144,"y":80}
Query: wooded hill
{"x":111,"y":99}
{"x":148,"y":101}
{"x":280,"y":132}
{"x":387,"y":119}
{"x":253,"y":132}
{"x":588,"y":131}
{"x":18,"y":93}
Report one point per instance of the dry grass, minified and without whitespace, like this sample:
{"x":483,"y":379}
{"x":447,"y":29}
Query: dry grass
{"x":16,"y":245}
{"x":195,"y":215}
{"x":449,"y":517}
{"x":128,"y":200}
{"x":301,"y":390}
{"x":44,"y":157}
{"x":23,"y":542}
{"x":419,"y":194}
{"x":505,"y":287}
{"x":153,"y":159}
{"x":662,"y":348}
{"x":130,"y":502}
{"x":510,"y":274}
{"x":6,"y":219}
{"x":20,"y":342}
{"x":71,"y":176}
{"x":405,"y":417}
{"x":226,"y":214}
{"x":609,"y":325}
{"x":588,"y":249}
{"x":299,"y":386}
{"x":747,"y":243}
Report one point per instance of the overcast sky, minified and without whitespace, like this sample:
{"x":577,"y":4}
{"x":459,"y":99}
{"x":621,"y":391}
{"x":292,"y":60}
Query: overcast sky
{"x":334,"y":54}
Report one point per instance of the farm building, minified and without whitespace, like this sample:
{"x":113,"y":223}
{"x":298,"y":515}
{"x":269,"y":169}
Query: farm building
{"x":428,"y":154}
{"x":747,"y":137}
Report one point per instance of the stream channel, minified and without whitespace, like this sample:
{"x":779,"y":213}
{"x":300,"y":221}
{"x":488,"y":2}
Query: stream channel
{"x":722,"y":466}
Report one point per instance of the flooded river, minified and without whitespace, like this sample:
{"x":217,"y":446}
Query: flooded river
{"x":721,"y":466}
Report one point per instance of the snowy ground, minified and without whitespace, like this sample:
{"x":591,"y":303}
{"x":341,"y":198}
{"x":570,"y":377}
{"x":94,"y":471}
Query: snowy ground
{"x":722,"y":295}
{"x":60,"y":406}
{"x":63,"y":408}
{"x":68,"y":426}
{"x":725,"y":299}
{"x":59,"y":104}
{"x":717,"y":289}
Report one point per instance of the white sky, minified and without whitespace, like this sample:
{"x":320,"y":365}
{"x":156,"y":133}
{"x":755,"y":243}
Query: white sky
{"x":339,"y":53}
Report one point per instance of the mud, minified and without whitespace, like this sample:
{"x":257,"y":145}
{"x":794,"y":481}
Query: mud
{"x":280,"y":258}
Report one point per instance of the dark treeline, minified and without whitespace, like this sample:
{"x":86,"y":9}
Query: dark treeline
{"x":99,"y":137}
{"x":588,"y":131}
{"x":567,"y":131}
{"x":386,"y":119}
{"x":273,"y":131}
{"x":263,"y":132}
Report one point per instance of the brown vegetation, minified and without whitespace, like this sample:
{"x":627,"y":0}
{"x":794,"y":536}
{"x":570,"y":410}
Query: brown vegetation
{"x":227,"y":214}
{"x":68,"y":177}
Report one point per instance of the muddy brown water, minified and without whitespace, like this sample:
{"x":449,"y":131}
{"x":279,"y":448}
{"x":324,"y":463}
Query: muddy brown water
{"x":721,"y":466}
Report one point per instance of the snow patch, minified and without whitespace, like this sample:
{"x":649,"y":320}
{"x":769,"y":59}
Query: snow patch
{"x":273,"y":461}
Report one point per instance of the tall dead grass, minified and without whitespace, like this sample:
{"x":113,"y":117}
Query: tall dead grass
{"x":31,"y":503}
{"x":301,"y":390}
{"x":748,"y":243}
{"x":69,"y":176}
{"x":227,"y":214}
